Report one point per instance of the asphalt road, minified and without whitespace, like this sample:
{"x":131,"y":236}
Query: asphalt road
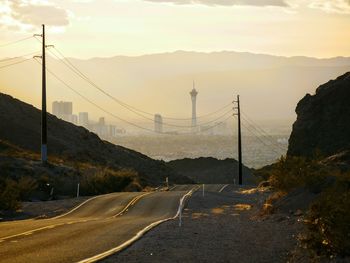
{"x":89,"y":230}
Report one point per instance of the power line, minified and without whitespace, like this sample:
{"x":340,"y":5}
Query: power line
{"x":259,"y":139}
{"x":93,"y":103}
{"x":14,"y":42}
{"x":117,"y":117}
{"x":133,"y":109}
{"x":81,"y":75}
{"x":15,"y":63}
{"x":21,"y":56}
{"x":262,"y":132}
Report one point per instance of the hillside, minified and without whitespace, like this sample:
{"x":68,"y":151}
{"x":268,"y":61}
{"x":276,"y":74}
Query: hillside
{"x":20,"y":127}
{"x":323,"y":123}
{"x":207,"y":170}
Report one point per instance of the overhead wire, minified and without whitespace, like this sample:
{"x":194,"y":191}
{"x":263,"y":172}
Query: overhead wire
{"x":261,"y":132}
{"x":18,"y":57}
{"x":133,"y":109}
{"x":15,"y":63}
{"x":76,"y":71}
{"x":16,"y":41}
{"x":110,"y":113}
{"x":258,"y":138}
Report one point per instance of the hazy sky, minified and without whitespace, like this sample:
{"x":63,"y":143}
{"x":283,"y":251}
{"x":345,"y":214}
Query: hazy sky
{"x":100,"y":28}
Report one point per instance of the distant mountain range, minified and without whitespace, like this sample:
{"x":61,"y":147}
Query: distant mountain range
{"x":270,"y":86}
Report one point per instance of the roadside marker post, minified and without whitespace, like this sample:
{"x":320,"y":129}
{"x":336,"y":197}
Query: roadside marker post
{"x":167,"y":182}
{"x":203,"y":190}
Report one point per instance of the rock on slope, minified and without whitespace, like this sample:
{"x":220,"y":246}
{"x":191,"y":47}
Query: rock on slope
{"x":208,"y":170}
{"x":20,"y":125}
{"x":323,"y":122}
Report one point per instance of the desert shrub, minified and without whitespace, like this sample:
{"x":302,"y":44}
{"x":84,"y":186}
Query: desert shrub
{"x":329,"y":219}
{"x":292,"y":172}
{"x":9,"y":195}
{"x":26,"y":185}
{"x":107,"y":180}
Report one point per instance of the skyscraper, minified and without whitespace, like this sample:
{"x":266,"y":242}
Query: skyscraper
{"x":158,"y":123}
{"x":193,"y":94}
{"x":84,"y":119}
{"x":62,"y":109}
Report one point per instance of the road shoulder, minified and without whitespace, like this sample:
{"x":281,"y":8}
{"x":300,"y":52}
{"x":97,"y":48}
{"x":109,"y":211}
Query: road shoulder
{"x":219,"y":227}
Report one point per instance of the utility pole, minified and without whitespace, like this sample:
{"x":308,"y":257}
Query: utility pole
{"x":239,"y":142}
{"x":43,"y":101}
{"x":43,"y":106}
{"x":238,"y":108}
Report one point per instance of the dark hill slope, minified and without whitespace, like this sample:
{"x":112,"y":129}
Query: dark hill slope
{"x":208,"y":170}
{"x":20,"y":125}
{"x":323,"y":122}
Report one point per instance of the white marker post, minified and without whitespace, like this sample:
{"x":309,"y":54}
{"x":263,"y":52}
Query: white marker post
{"x":167,"y":182}
{"x":203,"y":190}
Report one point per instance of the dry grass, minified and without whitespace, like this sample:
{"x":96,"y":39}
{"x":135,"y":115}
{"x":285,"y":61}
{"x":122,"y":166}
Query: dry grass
{"x":242,"y":207}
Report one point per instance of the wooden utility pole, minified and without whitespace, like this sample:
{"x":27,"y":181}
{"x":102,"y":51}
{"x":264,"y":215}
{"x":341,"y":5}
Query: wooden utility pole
{"x":238,"y":108}
{"x":43,"y":103}
{"x":240,"y":181}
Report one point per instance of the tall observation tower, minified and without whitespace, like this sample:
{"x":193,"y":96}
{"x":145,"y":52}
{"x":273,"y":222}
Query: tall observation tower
{"x":193,"y":94}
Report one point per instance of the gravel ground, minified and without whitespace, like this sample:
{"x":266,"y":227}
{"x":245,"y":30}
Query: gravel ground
{"x":43,"y":209}
{"x":219,"y":227}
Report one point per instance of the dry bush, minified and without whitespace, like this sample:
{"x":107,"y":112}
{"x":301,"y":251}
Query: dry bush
{"x":107,"y":180}
{"x":268,"y":207}
{"x":9,"y":195}
{"x":329,"y":220}
{"x":293,"y":172}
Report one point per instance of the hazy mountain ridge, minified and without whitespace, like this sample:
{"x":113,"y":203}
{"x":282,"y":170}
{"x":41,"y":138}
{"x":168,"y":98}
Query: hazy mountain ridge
{"x":167,"y":79}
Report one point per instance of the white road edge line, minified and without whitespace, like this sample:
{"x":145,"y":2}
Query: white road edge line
{"x":132,"y":202}
{"x":222,"y":189}
{"x":80,"y":205}
{"x":138,"y":235}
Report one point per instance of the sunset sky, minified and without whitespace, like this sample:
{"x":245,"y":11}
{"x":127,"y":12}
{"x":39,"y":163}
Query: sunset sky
{"x":103,"y":28}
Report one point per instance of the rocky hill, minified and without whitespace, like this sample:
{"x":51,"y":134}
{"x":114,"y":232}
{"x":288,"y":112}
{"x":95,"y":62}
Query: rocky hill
{"x":208,"y":170}
{"x":323,"y":120}
{"x":20,"y":126}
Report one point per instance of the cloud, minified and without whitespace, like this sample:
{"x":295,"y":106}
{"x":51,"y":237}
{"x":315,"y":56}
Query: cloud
{"x":37,"y":13}
{"x":281,"y":3}
{"x":28,"y":14}
{"x":332,"y":6}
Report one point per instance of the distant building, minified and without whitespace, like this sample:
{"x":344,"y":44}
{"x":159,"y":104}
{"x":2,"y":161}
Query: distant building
{"x":84,"y":119}
{"x":63,"y":110}
{"x":193,"y":94}
{"x":73,"y":119}
{"x":158,"y":123}
{"x":101,"y":121}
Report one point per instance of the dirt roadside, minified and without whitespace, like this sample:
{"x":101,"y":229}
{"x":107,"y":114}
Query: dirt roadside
{"x":219,"y":227}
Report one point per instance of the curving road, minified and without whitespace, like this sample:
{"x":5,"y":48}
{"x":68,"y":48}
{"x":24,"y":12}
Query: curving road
{"x":98,"y":225}
{"x":89,"y":230}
